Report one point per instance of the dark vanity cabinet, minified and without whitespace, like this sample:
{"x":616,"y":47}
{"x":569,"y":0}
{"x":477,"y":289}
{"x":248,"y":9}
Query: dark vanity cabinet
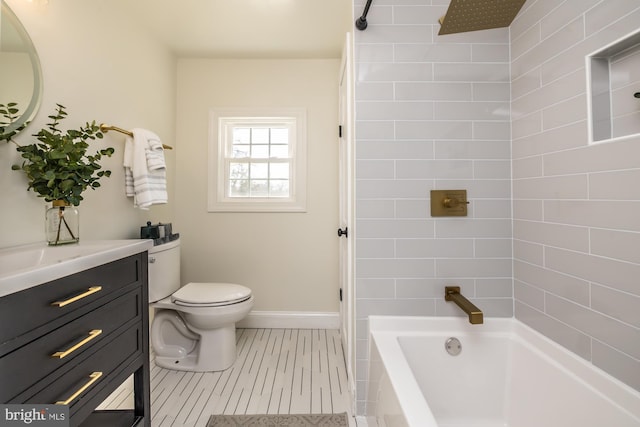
{"x":74,"y":340}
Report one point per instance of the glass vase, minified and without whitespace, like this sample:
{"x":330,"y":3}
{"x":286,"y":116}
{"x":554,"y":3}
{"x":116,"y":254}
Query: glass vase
{"x":62,"y":223}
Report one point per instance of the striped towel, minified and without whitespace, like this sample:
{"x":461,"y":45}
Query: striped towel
{"x":145,"y":169}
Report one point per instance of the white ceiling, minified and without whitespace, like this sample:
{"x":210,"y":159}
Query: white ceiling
{"x":246,"y":28}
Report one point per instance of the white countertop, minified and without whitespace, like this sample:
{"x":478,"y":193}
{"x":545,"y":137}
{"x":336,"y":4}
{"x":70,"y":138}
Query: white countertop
{"x":23,"y":267}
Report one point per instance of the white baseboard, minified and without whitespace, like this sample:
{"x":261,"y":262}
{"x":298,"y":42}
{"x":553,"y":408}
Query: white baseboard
{"x":290,"y":320}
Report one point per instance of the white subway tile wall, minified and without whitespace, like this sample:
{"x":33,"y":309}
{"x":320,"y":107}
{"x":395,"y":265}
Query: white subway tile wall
{"x":432,"y":112}
{"x":576,"y":206}
{"x":460,"y":111}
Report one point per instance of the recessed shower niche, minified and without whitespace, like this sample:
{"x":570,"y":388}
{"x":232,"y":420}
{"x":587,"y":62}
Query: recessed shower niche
{"x":613,"y":76}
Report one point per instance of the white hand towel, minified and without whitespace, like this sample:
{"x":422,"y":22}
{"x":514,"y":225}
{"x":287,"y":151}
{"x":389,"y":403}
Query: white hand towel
{"x":145,"y":169}
{"x":155,"y":154}
{"x":128,"y":166}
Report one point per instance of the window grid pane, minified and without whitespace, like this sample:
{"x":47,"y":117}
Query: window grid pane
{"x":259,"y":179}
{"x":261,"y":166}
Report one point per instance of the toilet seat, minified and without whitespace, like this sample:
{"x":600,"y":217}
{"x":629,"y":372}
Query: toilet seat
{"x":210,"y":294}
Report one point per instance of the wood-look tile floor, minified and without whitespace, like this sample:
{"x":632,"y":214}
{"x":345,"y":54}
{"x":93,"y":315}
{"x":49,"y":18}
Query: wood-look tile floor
{"x":278,"y":371}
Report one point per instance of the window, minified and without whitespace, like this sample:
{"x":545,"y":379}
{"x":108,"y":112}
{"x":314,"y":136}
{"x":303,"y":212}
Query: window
{"x":257,"y":160}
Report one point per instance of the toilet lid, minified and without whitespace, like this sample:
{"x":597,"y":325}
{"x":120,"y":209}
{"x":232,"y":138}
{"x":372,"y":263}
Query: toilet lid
{"x":210,"y":294}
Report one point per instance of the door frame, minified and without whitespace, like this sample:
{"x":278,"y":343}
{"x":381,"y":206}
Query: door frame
{"x":346,"y":154}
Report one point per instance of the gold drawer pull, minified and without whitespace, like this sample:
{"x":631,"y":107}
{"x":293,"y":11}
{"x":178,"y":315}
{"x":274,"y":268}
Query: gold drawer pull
{"x":92,"y":334}
{"x":94,"y":377}
{"x":91,"y":290}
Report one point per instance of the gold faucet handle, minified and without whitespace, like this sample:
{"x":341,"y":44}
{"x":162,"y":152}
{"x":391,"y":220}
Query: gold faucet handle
{"x":449,"y":202}
{"x":453,"y":203}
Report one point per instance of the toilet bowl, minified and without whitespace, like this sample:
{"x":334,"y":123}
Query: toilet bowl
{"x":193,"y":328}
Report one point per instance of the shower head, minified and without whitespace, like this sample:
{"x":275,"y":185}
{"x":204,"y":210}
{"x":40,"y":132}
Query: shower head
{"x":473,"y":15}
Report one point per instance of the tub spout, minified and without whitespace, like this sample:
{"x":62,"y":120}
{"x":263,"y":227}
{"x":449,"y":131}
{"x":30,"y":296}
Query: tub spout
{"x":452,"y":293}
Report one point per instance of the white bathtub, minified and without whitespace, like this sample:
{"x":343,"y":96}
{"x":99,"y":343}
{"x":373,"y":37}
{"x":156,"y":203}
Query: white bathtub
{"x":506,"y":375}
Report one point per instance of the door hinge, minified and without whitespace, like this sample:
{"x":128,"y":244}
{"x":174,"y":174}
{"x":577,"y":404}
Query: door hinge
{"x":340,"y":131}
{"x":340,"y":294}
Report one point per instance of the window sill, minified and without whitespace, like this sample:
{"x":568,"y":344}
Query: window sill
{"x":256,"y":206}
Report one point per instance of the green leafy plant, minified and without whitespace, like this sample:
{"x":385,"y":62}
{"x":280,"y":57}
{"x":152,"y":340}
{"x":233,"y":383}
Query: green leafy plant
{"x":58,"y":166}
{"x":8,"y":115}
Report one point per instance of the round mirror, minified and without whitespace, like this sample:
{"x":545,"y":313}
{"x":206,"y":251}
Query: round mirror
{"x":20,"y":73}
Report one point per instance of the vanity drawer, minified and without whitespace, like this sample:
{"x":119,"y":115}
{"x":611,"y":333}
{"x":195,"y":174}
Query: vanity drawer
{"x":26,"y":365}
{"x":79,"y":385}
{"x":37,"y":310}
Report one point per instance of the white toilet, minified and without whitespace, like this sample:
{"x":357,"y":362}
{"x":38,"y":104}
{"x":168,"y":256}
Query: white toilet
{"x":194,"y":326}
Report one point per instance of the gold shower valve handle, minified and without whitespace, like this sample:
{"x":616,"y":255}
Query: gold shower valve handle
{"x":453,"y":203}
{"x":449,"y":202}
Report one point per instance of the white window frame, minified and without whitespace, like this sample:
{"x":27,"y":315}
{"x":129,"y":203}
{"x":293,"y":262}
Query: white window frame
{"x":220,"y":119}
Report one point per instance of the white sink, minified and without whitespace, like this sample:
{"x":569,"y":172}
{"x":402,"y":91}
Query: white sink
{"x":22,"y":267}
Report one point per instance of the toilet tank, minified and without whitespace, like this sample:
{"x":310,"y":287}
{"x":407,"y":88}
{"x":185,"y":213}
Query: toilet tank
{"x":164,"y":270}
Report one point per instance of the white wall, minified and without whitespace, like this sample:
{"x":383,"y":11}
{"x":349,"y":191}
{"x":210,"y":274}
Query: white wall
{"x":117,"y":74}
{"x":101,"y":67}
{"x":289,"y":260}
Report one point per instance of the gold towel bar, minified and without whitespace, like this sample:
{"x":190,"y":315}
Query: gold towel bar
{"x":106,"y":128}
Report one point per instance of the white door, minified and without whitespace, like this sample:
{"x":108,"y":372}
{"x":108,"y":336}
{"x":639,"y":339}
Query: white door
{"x":346,"y":230}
